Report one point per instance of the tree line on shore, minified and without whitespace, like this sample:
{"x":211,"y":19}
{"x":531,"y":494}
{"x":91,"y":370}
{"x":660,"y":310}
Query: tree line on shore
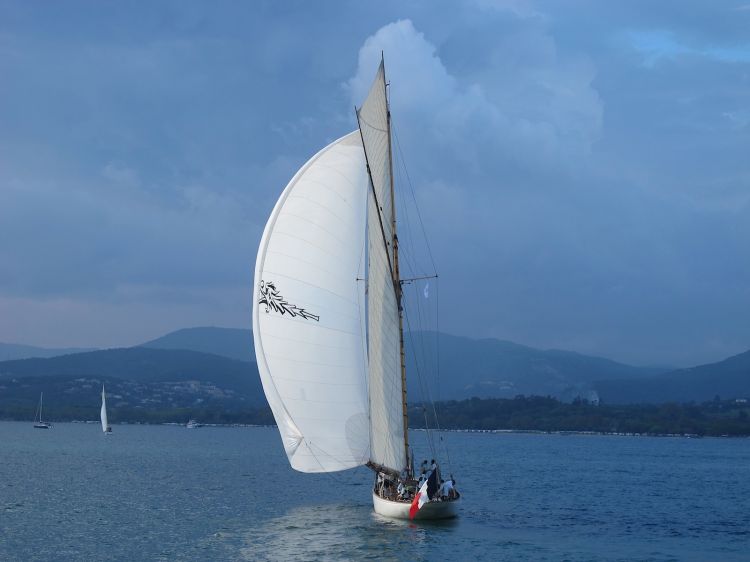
{"x":522,"y":413}
{"x":537,"y":413}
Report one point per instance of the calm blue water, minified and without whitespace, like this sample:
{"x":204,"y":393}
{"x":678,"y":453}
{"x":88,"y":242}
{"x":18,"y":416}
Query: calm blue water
{"x":169,"y":493}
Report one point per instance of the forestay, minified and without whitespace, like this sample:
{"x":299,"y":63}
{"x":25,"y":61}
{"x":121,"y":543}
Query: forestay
{"x":309,"y":310}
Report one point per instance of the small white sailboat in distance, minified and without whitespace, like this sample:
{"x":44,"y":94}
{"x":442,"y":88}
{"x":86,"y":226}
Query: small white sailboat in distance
{"x":327,"y":319}
{"x":106,"y":428}
{"x":38,"y":423}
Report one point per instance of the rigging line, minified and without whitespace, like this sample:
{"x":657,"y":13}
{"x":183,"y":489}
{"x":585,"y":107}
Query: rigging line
{"x":420,"y":379}
{"x":406,"y":220}
{"x":417,"y":300}
{"x":402,"y":162}
{"x":420,"y":311}
{"x":437,"y":336}
{"x":429,"y":395}
{"x":411,"y":188}
{"x":418,"y":278}
{"x":425,"y":390}
{"x":415,"y":263}
{"x":377,"y":208}
{"x":405,"y":205}
{"x":405,"y":313}
{"x":410,"y":258}
{"x":437,"y":368}
{"x":420,"y":352}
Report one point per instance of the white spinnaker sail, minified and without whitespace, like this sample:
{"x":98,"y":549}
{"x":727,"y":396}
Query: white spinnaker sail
{"x":308,"y":311}
{"x":384,"y":351}
{"x":105,"y":423}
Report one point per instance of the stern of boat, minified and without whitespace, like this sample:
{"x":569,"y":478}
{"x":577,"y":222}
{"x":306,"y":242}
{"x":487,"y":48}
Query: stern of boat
{"x":447,"y":509}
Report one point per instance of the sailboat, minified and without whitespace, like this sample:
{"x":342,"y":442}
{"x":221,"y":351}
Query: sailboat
{"x":327,"y":317}
{"x":38,"y":423}
{"x":106,"y":428}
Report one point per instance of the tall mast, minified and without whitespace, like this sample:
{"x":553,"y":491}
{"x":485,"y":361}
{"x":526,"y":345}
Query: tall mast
{"x":397,"y":280}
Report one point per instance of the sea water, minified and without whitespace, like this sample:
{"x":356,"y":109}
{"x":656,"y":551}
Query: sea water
{"x":171,"y":493}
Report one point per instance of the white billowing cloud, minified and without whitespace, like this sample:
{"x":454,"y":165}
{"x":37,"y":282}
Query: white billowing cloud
{"x":536,"y":107}
{"x":408,"y":55}
{"x":496,"y":140}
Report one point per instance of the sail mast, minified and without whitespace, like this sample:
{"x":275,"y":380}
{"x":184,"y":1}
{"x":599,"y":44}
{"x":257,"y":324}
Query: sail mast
{"x":397,"y":278}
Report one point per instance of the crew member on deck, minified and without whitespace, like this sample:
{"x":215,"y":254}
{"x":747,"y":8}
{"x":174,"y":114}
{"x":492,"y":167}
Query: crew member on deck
{"x":452,"y":492}
{"x":446,"y":490}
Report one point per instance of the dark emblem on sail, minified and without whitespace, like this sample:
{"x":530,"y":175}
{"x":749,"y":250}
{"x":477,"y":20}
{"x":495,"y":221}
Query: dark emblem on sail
{"x":270,"y":297}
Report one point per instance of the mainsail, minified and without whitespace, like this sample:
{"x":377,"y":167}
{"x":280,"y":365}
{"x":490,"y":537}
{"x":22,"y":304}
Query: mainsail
{"x":384,"y":350}
{"x":103,"y":412}
{"x":328,"y":350}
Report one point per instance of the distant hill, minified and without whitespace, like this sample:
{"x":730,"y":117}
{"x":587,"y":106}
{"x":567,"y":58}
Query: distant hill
{"x":502,"y":369}
{"x":729,"y":378}
{"x":205,"y":366}
{"x":468,"y":367}
{"x":234,"y":343}
{"x":10,"y":351}
{"x":150,"y":379}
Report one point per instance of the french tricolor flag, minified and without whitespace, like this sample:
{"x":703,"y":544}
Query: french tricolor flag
{"x":425,"y":494}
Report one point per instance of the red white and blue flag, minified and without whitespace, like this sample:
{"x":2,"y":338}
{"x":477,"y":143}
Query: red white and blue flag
{"x":426,"y":493}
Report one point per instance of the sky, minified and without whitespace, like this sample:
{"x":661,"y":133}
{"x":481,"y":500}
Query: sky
{"x":581,"y":168}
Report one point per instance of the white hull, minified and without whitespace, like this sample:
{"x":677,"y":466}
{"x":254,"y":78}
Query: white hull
{"x":400,"y":510}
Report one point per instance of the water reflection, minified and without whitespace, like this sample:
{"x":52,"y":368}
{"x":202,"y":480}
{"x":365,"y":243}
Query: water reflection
{"x":338,"y":532}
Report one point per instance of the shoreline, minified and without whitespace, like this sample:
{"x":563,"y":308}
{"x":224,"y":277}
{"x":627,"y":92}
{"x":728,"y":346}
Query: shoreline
{"x":560,"y":432}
